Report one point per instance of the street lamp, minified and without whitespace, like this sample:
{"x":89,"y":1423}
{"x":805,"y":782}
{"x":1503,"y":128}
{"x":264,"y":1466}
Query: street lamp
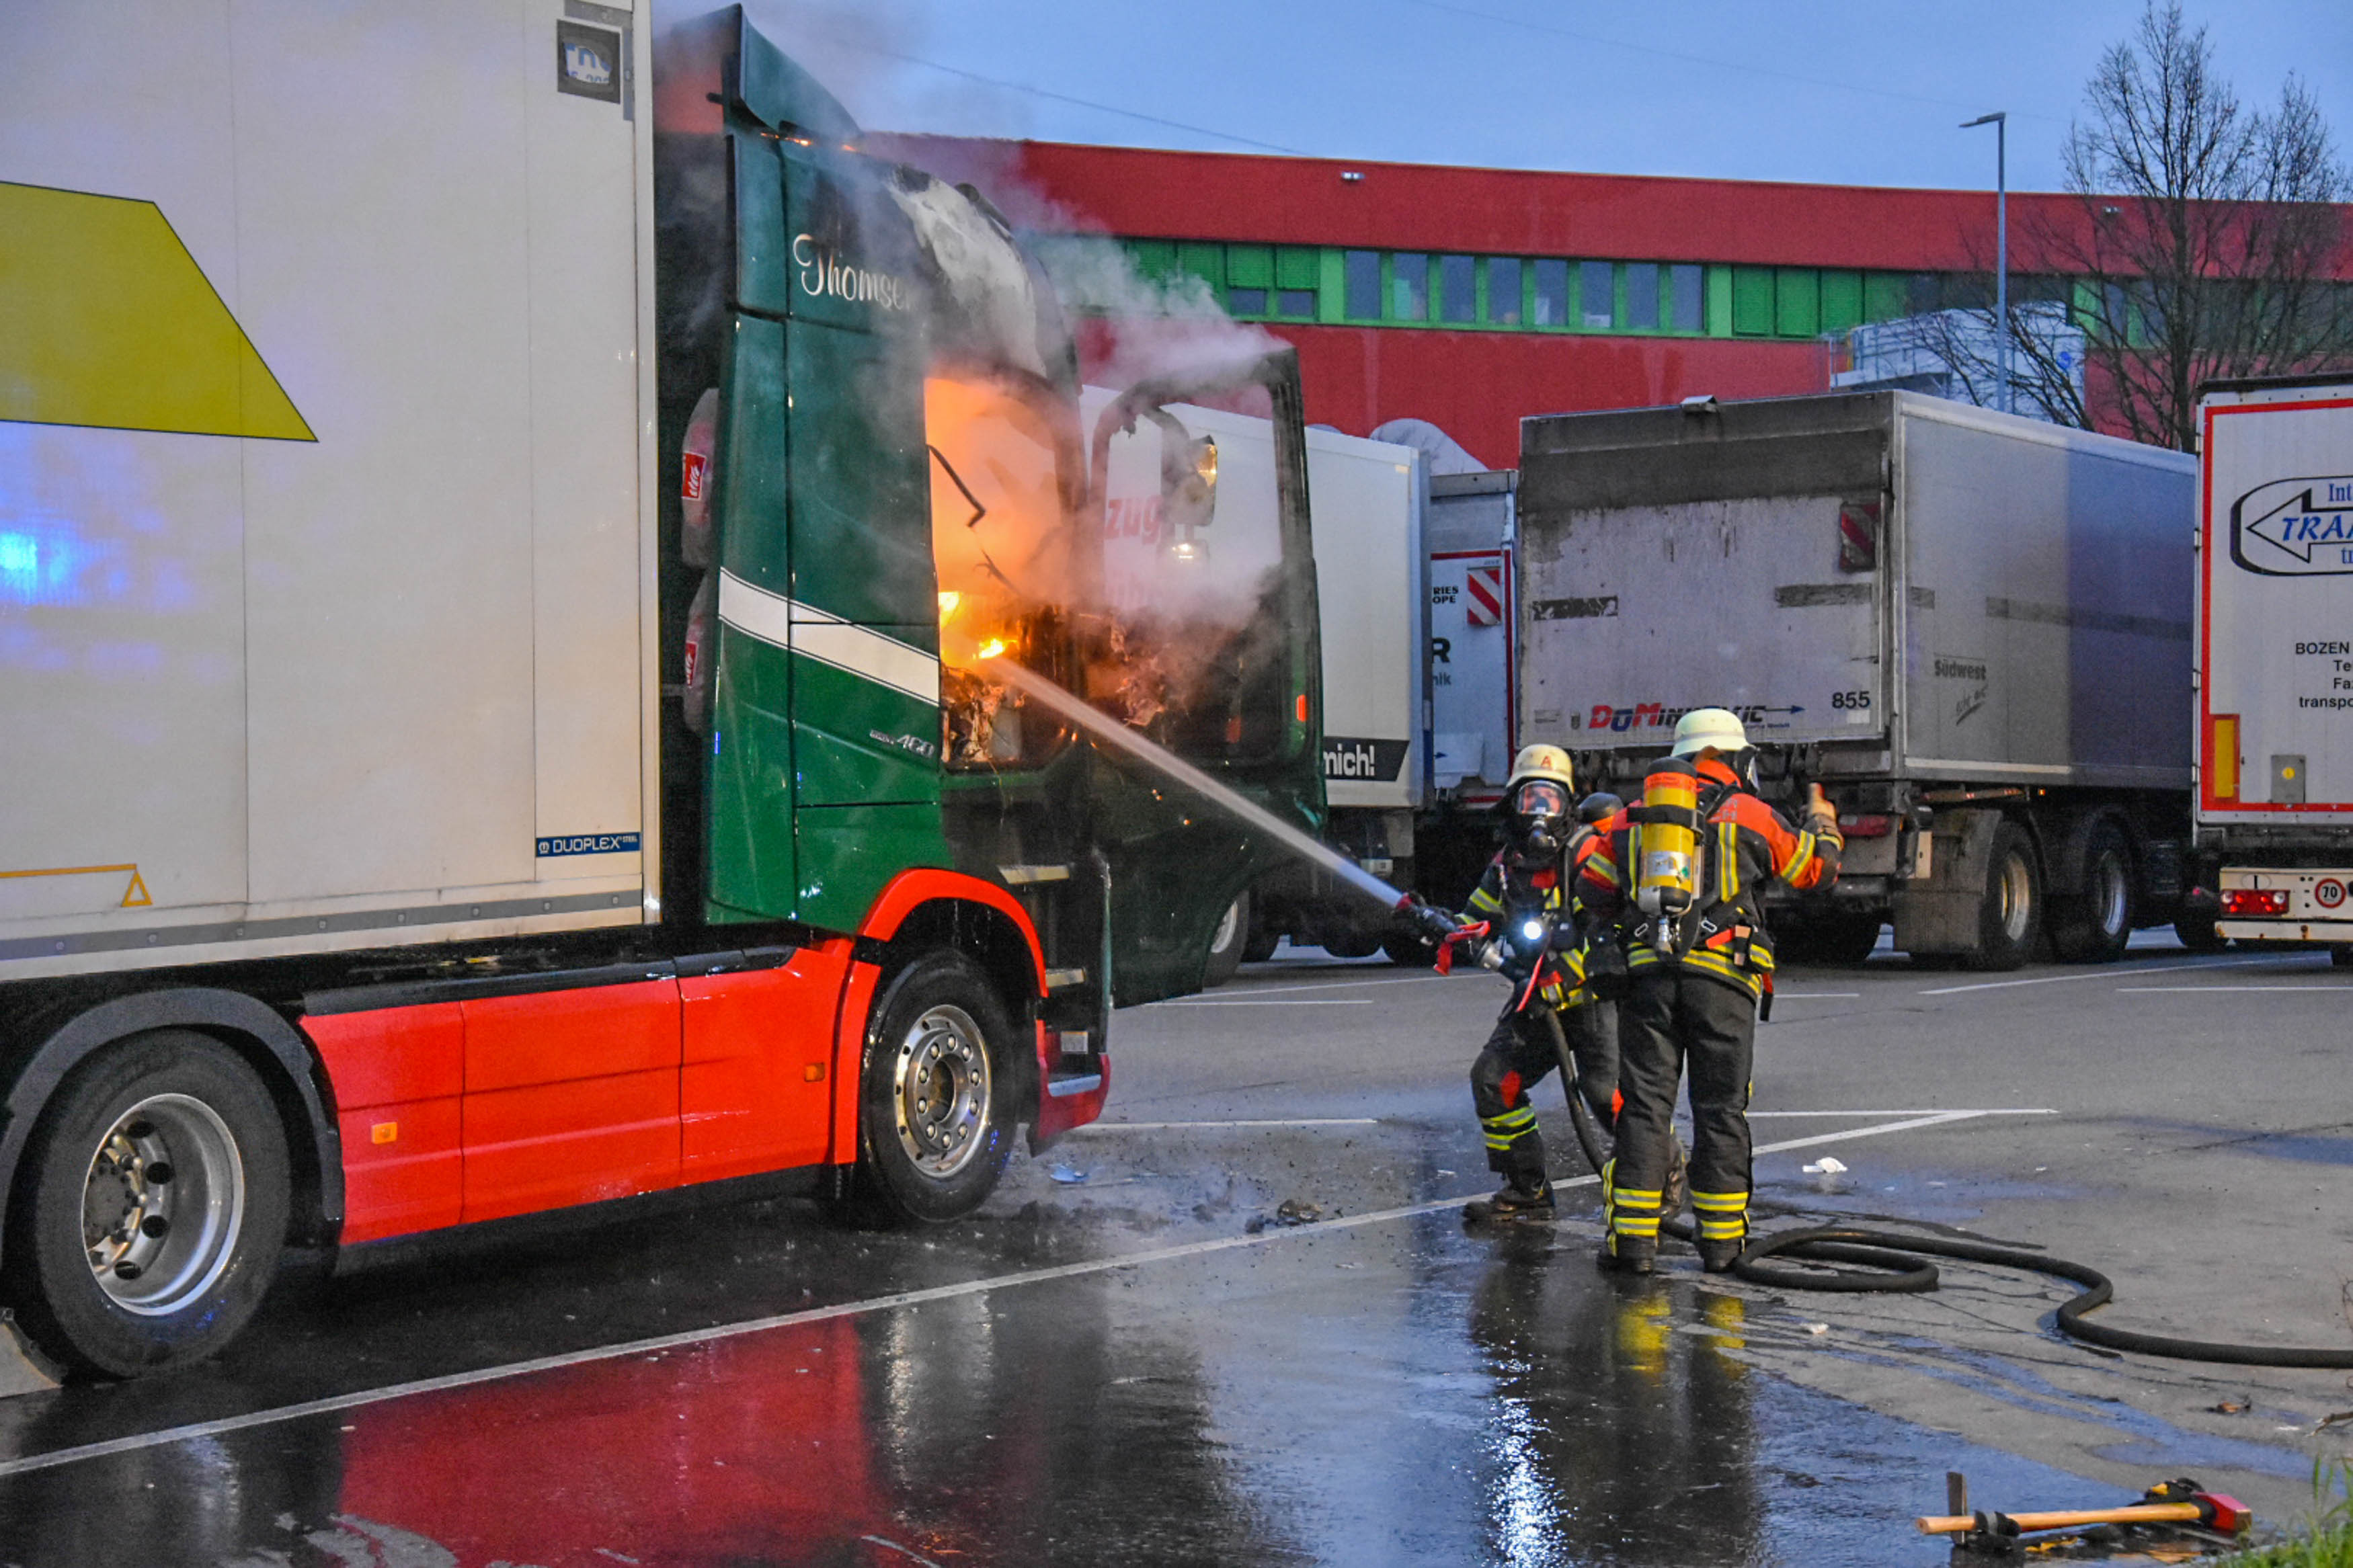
{"x":2000,"y":120}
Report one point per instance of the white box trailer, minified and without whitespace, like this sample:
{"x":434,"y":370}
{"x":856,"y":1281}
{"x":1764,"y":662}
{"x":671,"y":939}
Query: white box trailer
{"x":326,"y":571}
{"x":2274,"y":650}
{"x":1966,"y":626}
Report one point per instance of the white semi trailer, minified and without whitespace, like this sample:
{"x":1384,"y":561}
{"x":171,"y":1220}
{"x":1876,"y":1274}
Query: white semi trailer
{"x":2275,"y":662}
{"x":1972,"y":629}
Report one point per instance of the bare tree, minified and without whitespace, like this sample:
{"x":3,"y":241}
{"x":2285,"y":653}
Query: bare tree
{"x":2204,"y":240}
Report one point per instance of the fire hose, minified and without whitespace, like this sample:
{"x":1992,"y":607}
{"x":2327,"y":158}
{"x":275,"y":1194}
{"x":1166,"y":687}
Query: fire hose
{"x":1892,"y":1262}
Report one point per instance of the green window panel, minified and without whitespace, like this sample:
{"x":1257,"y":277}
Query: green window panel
{"x":1362,"y":270}
{"x":1842,"y":300}
{"x":1752,"y":301}
{"x":1298,"y":266}
{"x":1409,"y":287}
{"x":1250,"y":265}
{"x":1719,"y":302}
{"x":1505,"y":304}
{"x":1686,"y":298}
{"x":1154,"y":260}
{"x":1548,"y":294}
{"x":1597,"y":296}
{"x":1797,"y":301}
{"x":1205,"y":262}
{"x":1332,"y":284}
{"x":1640,"y":282}
{"x":1883,"y":296}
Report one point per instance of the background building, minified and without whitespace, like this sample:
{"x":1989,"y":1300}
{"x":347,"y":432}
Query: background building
{"x":1469,"y":298}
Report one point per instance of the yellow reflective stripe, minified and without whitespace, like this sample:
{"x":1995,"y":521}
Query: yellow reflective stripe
{"x":1486,"y":901}
{"x":1518,"y":1116}
{"x":1720,"y":1203}
{"x":1498,"y":1144}
{"x":1602,"y":863}
{"x":1639,"y":1199}
{"x":1716,"y":963}
{"x":1727,"y":861}
{"x":1797,"y":858}
{"x":1627,"y":1225}
{"x":1723,"y":1229}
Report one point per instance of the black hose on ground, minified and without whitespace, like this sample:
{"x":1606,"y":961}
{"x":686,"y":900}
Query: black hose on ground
{"x":1896,"y":1256}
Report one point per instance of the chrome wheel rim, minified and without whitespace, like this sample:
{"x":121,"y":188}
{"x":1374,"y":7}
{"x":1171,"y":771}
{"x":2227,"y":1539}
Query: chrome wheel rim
{"x":940,"y":1090}
{"x":163,"y":1205}
{"x":2111,"y":893}
{"x":2017,"y":897}
{"x":1227,"y":923}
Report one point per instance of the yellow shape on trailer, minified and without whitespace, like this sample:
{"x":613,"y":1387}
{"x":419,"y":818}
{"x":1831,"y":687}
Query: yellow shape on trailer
{"x":107,"y":320}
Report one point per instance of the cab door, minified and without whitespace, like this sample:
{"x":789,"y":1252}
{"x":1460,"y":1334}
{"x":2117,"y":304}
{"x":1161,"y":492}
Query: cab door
{"x":1211,"y":650}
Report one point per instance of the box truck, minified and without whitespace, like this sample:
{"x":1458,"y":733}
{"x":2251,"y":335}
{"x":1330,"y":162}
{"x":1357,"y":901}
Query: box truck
{"x":2275,"y":662}
{"x":1971,"y":629}
{"x":503,"y":524}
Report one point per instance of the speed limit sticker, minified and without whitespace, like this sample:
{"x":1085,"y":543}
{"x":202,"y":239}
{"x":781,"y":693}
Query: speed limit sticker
{"x":2328,"y":892}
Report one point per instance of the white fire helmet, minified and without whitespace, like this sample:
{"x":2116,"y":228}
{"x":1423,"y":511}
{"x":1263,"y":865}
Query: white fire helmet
{"x":1542,"y":762}
{"x":1702,"y":728}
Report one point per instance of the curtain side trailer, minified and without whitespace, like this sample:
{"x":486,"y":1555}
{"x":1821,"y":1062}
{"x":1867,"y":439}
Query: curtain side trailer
{"x":1970,"y":628}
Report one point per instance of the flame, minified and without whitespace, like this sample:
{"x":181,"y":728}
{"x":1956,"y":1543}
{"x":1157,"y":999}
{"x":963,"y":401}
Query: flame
{"x":950,"y":602}
{"x":993,"y":648}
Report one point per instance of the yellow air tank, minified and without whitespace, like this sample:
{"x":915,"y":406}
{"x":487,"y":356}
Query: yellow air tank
{"x":1666,"y":860}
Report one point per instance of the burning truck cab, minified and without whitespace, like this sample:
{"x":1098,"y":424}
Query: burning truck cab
{"x":908,"y":489}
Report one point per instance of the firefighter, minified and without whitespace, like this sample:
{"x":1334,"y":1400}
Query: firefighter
{"x":1592,"y":1024}
{"x":1526,"y":886}
{"x":1694,"y":977}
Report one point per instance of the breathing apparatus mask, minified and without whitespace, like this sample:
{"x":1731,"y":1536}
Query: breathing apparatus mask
{"x":1537,"y":820}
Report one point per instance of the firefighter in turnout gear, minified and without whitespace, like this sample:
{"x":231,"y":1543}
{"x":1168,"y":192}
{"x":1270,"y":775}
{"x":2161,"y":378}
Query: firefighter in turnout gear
{"x":1681,"y":876}
{"x":1525,"y":895}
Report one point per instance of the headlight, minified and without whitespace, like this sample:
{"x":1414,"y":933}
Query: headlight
{"x":1533,"y":931}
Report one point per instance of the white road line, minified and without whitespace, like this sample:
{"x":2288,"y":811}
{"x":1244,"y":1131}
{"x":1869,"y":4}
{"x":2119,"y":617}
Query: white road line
{"x":1254,"y":1002}
{"x":1178,"y":1126}
{"x":2179,"y":990}
{"x":1345,"y":985}
{"x":196,"y":1431}
{"x":2004,"y":1110}
{"x":2111,"y":974}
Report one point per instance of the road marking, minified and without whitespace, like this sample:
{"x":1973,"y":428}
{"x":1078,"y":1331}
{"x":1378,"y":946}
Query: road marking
{"x":1176,"y":1126}
{"x":1254,"y":1002}
{"x":2177,"y":990}
{"x":198,"y":1431}
{"x":2110,"y":973}
{"x":2005,"y":1110}
{"x":1348,"y":984}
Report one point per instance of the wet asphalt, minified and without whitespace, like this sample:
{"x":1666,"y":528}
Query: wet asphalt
{"x":1240,"y":1323}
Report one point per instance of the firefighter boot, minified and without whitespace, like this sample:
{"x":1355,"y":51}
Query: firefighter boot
{"x":1632,"y":1218}
{"x":1723,"y":1229}
{"x":1512,"y":1201}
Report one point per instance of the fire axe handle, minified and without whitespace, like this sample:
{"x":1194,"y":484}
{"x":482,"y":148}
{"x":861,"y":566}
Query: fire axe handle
{"x":2139,"y":1514}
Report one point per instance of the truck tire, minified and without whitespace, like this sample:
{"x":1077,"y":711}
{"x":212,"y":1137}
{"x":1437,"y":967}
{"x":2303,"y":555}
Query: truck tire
{"x":933,"y":1110}
{"x":2009,"y":924}
{"x":1410,"y":950}
{"x":2199,"y":932}
{"x":1847,"y":937}
{"x":1227,"y":943}
{"x":151,"y":1209}
{"x":2094,"y":925}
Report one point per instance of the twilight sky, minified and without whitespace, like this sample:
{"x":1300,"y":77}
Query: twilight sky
{"x":1850,"y":91}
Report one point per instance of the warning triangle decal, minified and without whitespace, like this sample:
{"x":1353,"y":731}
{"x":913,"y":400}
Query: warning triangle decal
{"x":136,"y":894}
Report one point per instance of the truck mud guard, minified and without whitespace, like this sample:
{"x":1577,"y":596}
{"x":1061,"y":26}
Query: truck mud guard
{"x":316,"y":1146}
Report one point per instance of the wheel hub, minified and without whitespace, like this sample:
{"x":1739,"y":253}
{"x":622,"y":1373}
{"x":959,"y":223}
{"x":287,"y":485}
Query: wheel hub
{"x":163,"y":1204}
{"x":940,"y":1079}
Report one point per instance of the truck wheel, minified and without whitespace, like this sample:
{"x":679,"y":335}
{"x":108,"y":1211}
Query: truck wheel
{"x":933,"y":1119}
{"x":1227,"y":943}
{"x":2197,"y":933}
{"x":1410,"y":949}
{"x":2010,"y":925}
{"x":152,"y":1206}
{"x":2093,"y":926}
{"x":1847,"y":937}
